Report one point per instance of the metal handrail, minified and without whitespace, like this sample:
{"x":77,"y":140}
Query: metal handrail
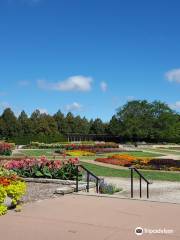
{"x":140,"y":182}
{"x":88,"y":175}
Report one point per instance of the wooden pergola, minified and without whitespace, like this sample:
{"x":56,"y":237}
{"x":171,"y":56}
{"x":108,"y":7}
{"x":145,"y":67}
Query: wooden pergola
{"x":78,"y":137}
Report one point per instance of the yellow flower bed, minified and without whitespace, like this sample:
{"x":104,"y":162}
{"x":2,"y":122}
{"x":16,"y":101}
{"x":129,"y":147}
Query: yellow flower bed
{"x":144,"y":160}
{"x":10,"y":186}
{"x":79,"y":153}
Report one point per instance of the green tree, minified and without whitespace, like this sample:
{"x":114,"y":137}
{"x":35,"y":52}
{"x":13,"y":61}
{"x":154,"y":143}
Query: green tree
{"x":60,"y":121}
{"x":97,"y":127}
{"x":70,"y":123}
{"x":24,"y":124}
{"x":114,"y":127}
{"x":11,"y":127}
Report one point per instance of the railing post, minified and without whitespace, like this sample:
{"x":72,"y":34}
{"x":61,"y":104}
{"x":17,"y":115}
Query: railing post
{"x":87,"y":181}
{"x":140,"y":188}
{"x":131,"y":182}
{"x":77,"y":179}
{"x":97,"y":186}
{"x":147,"y":190}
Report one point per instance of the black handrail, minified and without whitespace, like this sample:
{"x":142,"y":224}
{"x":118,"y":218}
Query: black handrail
{"x":140,"y":182}
{"x":88,"y":175}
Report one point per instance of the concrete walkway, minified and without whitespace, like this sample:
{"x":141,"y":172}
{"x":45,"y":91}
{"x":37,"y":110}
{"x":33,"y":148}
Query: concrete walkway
{"x":75,"y":217}
{"x":166,"y":154}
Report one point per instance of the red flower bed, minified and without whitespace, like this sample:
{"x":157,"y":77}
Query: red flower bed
{"x":120,"y":162}
{"x":6,"y":148}
{"x":44,"y":168}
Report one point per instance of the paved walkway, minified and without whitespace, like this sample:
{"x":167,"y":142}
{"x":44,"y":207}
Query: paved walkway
{"x":166,"y":154}
{"x":76,"y":217}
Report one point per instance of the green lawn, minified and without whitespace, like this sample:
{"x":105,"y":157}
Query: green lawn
{"x":137,"y":154}
{"x":38,"y":152}
{"x":163,"y":151}
{"x":110,"y":172}
{"x":174,"y":148}
{"x":50,"y":152}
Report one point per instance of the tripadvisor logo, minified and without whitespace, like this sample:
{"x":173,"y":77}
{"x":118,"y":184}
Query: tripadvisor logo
{"x":139,"y":231}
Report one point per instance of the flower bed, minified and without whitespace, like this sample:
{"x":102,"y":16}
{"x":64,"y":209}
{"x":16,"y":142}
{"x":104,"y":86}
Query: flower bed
{"x":159,"y":164}
{"x":6,"y":148}
{"x":83,"y":146}
{"x":121,"y":160}
{"x":123,"y":157}
{"x":142,"y":163}
{"x":44,"y":168}
{"x":79,"y":153}
{"x":11,"y":186}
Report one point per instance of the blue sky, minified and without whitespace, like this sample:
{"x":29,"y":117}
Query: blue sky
{"x":88,"y":56}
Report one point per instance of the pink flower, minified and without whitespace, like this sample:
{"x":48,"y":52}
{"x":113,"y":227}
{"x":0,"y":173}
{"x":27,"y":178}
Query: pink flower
{"x":74,"y":160}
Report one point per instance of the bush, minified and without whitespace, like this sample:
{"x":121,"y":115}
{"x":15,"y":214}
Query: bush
{"x":24,"y":140}
{"x":105,"y":188}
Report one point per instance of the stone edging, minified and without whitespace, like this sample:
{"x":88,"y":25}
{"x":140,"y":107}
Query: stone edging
{"x":56,"y":181}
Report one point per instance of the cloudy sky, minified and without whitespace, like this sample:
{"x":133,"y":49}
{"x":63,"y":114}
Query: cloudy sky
{"x":88,"y":57}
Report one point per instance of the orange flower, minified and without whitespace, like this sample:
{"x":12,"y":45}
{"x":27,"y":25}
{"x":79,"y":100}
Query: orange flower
{"x":4,"y":181}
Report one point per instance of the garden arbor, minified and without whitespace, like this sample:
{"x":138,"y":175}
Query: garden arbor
{"x":77,"y":137}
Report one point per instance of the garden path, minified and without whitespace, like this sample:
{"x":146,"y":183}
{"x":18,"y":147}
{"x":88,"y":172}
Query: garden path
{"x":75,"y":217}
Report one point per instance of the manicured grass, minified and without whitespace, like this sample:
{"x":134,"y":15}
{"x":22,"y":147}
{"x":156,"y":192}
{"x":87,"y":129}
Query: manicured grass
{"x":136,"y":154}
{"x":49,"y":153}
{"x":110,"y":172}
{"x":38,"y":152}
{"x":163,"y":151}
{"x":174,"y":148}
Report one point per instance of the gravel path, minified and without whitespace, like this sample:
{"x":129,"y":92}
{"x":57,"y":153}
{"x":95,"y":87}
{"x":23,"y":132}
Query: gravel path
{"x":164,"y":191}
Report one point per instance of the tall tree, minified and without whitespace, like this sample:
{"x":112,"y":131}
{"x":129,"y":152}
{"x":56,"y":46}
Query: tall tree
{"x":60,"y":120}
{"x":97,"y":127}
{"x":24,"y":124}
{"x":70,"y":123}
{"x":11,"y":126}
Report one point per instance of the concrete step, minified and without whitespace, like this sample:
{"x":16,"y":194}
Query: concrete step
{"x":64,"y":190}
{"x":71,"y":188}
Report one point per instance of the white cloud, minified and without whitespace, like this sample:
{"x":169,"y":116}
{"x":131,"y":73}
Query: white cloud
{"x":74,"y":107}
{"x":23,"y":83}
{"x":173,"y":75}
{"x":175,"y":106}
{"x":74,"y":83}
{"x":43,"y":110}
{"x":103,"y":86}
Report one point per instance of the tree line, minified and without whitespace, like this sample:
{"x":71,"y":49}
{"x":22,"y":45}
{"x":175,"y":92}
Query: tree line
{"x":135,"y":121}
